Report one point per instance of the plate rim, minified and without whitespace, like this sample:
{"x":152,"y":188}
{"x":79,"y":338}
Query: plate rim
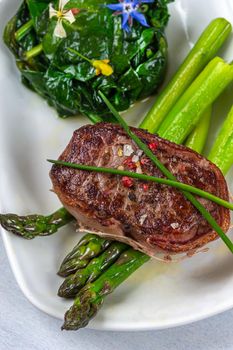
{"x":125,"y":326}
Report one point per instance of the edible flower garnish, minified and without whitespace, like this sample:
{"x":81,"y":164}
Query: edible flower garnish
{"x":61,"y":15}
{"x":129,"y":11}
{"x":102,"y":66}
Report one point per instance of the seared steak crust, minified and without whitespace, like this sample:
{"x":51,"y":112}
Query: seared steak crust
{"x":146,"y":215}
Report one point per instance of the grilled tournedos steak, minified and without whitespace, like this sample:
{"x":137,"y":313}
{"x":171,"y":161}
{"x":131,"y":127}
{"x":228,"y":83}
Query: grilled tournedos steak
{"x":146,"y":215}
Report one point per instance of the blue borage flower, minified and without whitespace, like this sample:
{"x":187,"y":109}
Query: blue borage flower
{"x":129,"y":11}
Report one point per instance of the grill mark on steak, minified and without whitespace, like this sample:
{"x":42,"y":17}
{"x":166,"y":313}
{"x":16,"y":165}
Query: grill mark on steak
{"x":101,"y":203}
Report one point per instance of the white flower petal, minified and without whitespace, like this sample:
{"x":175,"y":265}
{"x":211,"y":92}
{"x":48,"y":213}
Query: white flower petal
{"x":69,"y":16}
{"x":62,"y":4}
{"x":59,"y":30}
{"x":52,"y":11}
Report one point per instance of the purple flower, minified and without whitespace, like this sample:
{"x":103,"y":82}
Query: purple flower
{"x":129,"y":11}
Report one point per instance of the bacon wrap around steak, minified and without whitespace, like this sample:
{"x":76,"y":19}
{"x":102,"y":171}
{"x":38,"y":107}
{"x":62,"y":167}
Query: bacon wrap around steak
{"x":147,"y":216}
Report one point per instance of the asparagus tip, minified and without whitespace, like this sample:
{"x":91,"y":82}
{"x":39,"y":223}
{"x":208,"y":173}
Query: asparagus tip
{"x":85,"y":307}
{"x":15,"y":224}
{"x":66,"y":292}
{"x":76,"y":317}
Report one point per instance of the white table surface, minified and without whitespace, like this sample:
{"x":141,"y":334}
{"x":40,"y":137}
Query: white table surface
{"x":23,"y":327}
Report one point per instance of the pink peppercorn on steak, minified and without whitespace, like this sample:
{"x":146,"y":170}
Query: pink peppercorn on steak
{"x":145,"y":215}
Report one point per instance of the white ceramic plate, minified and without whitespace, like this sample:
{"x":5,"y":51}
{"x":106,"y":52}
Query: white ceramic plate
{"x":158,"y":295}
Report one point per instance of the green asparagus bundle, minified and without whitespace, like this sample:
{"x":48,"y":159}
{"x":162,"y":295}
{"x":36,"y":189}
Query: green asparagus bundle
{"x":92,"y":271}
{"x":91,"y":297}
{"x":205,"y":89}
{"x":203,"y":51}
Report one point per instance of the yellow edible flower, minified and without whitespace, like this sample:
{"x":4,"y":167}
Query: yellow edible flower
{"x":102,"y":67}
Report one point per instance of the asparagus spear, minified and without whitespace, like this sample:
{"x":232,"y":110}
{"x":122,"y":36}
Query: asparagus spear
{"x":91,"y":297}
{"x":75,"y":282}
{"x":203,"y":51}
{"x":186,"y":113}
{"x":198,"y":136}
{"x":222,"y":150}
{"x":88,"y":248}
{"x":77,"y":250}
{"x":31,"y":226}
